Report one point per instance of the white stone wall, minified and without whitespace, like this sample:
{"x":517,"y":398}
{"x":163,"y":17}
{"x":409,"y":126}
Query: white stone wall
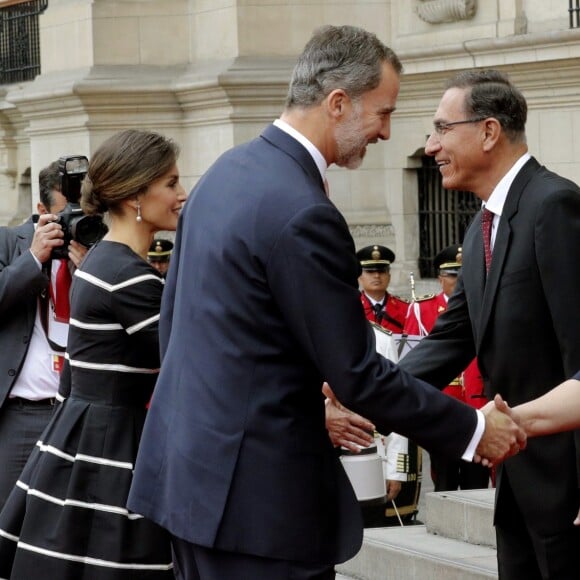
{"x":213,"y":73}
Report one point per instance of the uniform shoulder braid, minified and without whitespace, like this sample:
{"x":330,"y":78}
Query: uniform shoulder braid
{"x":380,"y":328}
{"x":425,"y":297}
{"x":398,"y":298}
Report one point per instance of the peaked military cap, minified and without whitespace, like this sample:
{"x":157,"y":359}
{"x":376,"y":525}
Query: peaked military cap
{"x":375,"y":257}
{"x":160,"y":250}
{"x":447,"y":261}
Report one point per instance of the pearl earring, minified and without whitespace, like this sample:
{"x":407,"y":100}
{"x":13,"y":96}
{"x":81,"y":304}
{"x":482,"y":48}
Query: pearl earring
{"x":139,"y":218}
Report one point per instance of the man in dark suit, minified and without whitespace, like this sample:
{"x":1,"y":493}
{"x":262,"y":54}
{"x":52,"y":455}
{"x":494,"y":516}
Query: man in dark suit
{"x":520,"y":317}
{"x":30,"y":363}
{"x":235,"y":460}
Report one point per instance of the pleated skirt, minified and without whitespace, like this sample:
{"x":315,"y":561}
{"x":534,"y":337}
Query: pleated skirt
{"x":66,"y":517}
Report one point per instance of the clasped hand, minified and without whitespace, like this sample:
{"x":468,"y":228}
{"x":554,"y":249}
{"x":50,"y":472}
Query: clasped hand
{"x":503,"y":435}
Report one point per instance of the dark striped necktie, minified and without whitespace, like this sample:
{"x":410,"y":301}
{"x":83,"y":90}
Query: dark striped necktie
{"x":486,"y":223}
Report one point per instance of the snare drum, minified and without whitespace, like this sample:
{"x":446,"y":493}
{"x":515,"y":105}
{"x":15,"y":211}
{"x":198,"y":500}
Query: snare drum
{"x":365,"y":472}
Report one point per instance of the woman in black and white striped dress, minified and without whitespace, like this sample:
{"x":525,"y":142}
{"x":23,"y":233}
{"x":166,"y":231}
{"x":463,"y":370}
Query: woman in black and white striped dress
{"x":66,"y":518}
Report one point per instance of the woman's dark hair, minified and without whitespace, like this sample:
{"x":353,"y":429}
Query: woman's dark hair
{"x":123,"y":167}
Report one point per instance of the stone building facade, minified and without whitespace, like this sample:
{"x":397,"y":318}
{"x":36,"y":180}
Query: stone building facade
{"x":213,"y":73}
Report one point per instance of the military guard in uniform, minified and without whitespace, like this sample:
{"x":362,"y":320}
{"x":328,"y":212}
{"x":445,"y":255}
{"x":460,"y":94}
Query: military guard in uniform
{"x":386,"y":313}
{"x":468,"y":387}
{"x":385,"y":309}
{"x":159,"y":255}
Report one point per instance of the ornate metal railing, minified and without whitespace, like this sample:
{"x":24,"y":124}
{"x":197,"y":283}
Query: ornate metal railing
{"x":574,"y":12}
{"x":443,"y":215}
{"x":19,"y":40}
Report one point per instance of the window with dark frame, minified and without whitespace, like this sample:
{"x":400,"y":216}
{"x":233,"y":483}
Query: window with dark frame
{"x":443,"y":215}
{"x":20,"y":40}
{"x":574,"y":13}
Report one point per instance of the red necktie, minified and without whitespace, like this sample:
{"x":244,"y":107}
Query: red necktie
{"x":62,"y":287}
{"x":486,"y":222}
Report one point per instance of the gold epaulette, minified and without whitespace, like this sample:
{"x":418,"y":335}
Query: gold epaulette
{"x":424,"y":297}
{"x":380,"y":328}
{"x":400,"y":298}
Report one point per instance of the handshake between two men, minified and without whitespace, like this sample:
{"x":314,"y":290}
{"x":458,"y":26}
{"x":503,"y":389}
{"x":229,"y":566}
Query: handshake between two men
{"x":502,"y":437}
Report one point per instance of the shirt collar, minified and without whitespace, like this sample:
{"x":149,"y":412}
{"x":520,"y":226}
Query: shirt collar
{"x":496,"y":200}
{"x":308,"y":145}
{"x":374,"y":302}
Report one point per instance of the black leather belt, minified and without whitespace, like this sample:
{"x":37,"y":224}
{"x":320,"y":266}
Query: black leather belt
{"x":29,"y":403}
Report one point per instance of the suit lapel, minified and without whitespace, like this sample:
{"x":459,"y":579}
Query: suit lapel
{"x":473,"y":270}
{"x":289,"y":145}
{"x":502,"y":242}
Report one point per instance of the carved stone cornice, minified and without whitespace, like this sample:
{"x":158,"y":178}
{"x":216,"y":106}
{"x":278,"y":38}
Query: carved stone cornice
{"x":438,"y":11}
{"x":243,"y":89}
{"x":560,"y":46}
{"x":372,"y":231}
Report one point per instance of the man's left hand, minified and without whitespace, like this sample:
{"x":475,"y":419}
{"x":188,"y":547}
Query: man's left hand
{"x":345,"y":428}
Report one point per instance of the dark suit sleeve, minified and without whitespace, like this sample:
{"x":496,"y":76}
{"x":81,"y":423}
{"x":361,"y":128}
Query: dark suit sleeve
{"x":20,"y":275}
{"x":449,"y":347}
{"x":557,"y":244}
{"x":313,"y":273}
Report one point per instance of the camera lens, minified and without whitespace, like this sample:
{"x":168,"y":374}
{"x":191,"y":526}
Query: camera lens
{"x":88,"y":230}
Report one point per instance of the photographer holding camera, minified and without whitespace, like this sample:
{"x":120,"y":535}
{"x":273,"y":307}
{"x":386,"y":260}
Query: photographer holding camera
{"x":35,"y":264}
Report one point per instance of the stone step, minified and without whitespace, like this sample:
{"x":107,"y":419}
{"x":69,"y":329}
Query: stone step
{"x":456,"y":543}
{"x":462,"y":515}
{"x":411,"y":553}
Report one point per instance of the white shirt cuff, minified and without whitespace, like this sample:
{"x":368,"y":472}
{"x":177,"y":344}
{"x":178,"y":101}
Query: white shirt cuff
{"x":477,"y":435}
{"x":38,"y":262}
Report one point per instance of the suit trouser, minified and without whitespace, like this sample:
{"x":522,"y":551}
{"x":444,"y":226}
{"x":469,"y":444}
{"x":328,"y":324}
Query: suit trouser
{"x":449,"y":475}
{"x":21,"y":424}
{"x":193,"y":562}
{"x":524,"y":554}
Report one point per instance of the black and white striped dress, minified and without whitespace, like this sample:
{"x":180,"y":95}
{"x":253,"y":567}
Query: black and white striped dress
{"x":66,"y":518}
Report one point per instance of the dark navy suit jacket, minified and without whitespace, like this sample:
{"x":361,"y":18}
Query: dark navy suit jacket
{"x":261,"y":305}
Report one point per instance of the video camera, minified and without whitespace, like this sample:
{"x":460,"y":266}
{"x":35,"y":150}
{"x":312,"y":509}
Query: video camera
{"x":84,"y":229}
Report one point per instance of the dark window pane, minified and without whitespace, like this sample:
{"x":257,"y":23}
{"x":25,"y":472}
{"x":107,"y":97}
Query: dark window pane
{"x":443,"y":215}
{"x":19,"y":41}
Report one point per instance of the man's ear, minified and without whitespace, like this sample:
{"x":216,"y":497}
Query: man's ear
{"x":491,"y":133}
{"x":337,"y":101}
{"x":41,"y":208}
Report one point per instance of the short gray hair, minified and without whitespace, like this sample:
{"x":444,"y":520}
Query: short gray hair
{"x":339,"y":57}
